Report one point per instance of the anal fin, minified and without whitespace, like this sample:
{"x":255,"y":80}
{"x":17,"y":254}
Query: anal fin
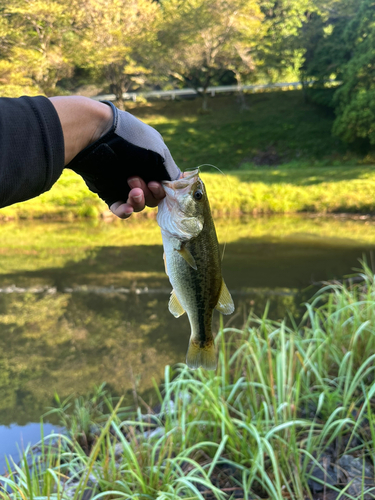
{"x":174,"y":305}
{"x":225,"y":303}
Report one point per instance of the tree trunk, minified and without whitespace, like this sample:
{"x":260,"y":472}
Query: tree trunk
{"x":118,"y":91}
{"x":120,"y":102}
{"x":204,"y":102}
{"x":241,"y":96}
{"x":304,"y":86}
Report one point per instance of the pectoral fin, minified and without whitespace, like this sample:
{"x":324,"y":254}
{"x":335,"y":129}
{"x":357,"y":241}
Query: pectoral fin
{"x":225,"y":303}
{"x":174,"y":305}
{"x":184,"y":252}
{"x":165,"y":263}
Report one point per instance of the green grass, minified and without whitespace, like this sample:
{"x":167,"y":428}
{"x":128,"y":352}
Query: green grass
{"x":283,"y":395}
{"x":312,"y":171}
{"x":253,"y":191}
{"x":280,"y":123}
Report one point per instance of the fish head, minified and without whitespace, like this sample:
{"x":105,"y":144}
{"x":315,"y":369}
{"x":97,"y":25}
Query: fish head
{"x":181,"y":213}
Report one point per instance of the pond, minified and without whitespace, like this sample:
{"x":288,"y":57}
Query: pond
{"x":83,"y":303}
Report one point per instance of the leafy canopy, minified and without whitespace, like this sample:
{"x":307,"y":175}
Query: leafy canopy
{"x":201,"y":39}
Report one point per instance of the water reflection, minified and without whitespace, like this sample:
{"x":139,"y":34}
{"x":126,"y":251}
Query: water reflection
{"x":82,"y":304}
{"x":15,"y":439}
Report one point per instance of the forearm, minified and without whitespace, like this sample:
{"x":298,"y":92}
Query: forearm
{"x":118,"y":156}
{"x":37,"y":139}
{"x":31,"y":148}
{"x":83,"y":121}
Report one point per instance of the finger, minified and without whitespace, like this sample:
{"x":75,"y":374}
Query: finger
{"x":152,"y":195}
{"x":137,"y":182}
{"x":157,"y":192}
{"x":136,"y":199}
{"x":121,"y":209}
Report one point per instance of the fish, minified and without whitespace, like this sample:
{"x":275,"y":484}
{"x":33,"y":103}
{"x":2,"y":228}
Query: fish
{"x":193,"y":264}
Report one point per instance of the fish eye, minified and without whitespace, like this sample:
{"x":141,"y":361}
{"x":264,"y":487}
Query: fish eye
{"x":198,"y":195}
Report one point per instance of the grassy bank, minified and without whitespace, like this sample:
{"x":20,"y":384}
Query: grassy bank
{"x":289,"y":412}
{"x":254,"y":190}
{"x":280,"y":154}
{"x":277,"y":128}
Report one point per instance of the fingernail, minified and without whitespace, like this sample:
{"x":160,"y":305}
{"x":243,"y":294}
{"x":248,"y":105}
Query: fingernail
{"x":134,"y":182}
{"x":128,"y":210}
{"x":138,"y":198}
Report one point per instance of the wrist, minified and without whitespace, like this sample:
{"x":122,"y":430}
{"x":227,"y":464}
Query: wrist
{"x":83,"y":121}
{"x":103,"y":117}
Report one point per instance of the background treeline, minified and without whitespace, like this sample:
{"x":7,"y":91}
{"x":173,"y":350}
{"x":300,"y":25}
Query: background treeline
{"x":56,"y":46}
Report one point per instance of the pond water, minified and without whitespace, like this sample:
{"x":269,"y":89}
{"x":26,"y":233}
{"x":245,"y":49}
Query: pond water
{"x":84,"y":303}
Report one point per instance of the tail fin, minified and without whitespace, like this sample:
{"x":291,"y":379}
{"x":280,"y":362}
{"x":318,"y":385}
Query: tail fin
{"x":201,"y":356}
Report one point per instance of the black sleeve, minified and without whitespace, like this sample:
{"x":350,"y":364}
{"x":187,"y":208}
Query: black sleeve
{"x":31,"y":148}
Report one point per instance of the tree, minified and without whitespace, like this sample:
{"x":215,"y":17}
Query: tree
{"x":201,"y":39}
{"x":37,"y":35}
{"x":326,"y":50}
{"x":343,"y":50}
{"x":116,"y":40}
{"x":355,"y":99}
{"x":282,"y":50}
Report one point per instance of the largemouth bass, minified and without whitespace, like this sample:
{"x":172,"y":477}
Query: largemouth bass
{"x":193,"y":264}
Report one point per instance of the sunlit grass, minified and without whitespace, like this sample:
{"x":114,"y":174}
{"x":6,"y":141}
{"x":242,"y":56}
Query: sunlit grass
{"x":289,"y":190}
{"x":312,"y":172}
{"x":254,"y":191}
{"x":282,"y":395}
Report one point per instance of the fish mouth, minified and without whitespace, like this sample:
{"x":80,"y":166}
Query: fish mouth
{"x":181,"y":185}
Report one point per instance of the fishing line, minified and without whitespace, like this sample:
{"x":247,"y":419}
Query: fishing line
{"x":229,"y":186}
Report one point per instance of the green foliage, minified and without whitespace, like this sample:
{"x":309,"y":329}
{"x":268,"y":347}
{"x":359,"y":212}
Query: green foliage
{"x":116,"y":42}
{"x":339,"y":45}
{"x":128,"y":44}
{"x":37,"y":37}
{"x":355,"y":100}
{"x":82,"y":416}
{"x":282,"y":395}
{"x":201,"y":39}
{"x":281,"y":52}
{"x":327,"y":50}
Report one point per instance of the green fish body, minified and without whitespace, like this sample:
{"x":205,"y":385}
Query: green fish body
{"x":193,"y":264}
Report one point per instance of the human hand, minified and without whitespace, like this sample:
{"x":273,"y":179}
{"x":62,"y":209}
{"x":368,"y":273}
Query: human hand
{"x":140,"y":196}
{"x":125,"y":166}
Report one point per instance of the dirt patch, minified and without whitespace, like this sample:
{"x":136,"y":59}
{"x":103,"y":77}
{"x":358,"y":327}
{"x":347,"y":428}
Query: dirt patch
{"x":268,"y":157}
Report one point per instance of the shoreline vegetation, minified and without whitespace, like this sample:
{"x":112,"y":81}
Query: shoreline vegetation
{"x":257,"y":191}
{"x":288,"y":413}
{"x":274,"y":156}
